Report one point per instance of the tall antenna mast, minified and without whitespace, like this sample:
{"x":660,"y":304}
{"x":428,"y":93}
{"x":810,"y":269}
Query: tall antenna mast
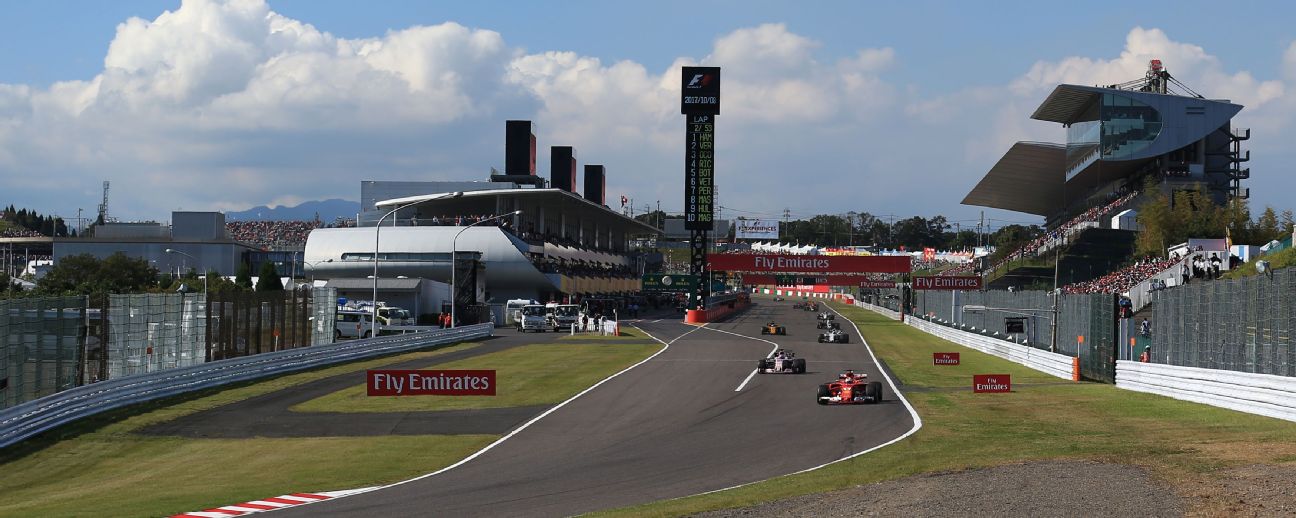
{"x":103,"y":206}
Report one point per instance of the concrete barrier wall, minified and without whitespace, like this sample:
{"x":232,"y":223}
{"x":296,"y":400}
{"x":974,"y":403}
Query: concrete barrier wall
{"x":1262,"y":394}
{"x":1059,"y":365}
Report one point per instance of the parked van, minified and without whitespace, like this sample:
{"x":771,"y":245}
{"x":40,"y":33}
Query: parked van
{"x":513,"y":311}
{"x":565,"y":316}
{"x":535,"y":318}
{"x":352,"y":323}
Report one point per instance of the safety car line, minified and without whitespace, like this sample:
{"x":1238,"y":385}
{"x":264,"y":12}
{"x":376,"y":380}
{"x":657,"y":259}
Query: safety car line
{"x":488,"y":447}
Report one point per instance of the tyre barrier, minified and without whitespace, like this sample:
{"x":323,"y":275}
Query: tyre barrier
{"x":39,"y":415}
{"x":1262,"y":394}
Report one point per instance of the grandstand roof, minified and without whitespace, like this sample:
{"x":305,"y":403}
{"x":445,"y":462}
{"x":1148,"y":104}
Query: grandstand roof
{"x":552,"y":201}
{"x":1067,"y":102}
{"x":1029,"y":178}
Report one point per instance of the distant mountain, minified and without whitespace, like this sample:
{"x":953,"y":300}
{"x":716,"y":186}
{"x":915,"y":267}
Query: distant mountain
{"x":328,"y":210}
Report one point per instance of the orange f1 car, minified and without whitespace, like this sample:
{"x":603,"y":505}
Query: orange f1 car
{"x":850,"y":389}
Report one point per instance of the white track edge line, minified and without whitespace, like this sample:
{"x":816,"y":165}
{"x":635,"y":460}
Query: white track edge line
{"x":914,"y":413}
{"x":488,"y":447}
{"x":753,"y":372}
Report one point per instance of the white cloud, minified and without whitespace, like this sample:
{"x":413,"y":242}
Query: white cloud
{"x":228,"y":105}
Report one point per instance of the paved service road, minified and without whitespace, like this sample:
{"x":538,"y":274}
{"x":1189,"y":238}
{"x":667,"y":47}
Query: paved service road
{"x":672,"y":427}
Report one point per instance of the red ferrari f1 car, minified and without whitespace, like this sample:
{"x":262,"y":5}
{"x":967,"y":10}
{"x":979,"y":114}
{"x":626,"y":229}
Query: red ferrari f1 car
{"x":850,"y":389}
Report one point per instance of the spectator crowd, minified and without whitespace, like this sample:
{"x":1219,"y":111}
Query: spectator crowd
{"x":1122,"y":280}
{"x":271,"y":234}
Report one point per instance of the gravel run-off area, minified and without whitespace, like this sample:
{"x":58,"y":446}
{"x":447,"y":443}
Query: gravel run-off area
{"x":1048,"y":488}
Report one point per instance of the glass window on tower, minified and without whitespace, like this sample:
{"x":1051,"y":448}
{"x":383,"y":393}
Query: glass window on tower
{"x":1128,"y":126}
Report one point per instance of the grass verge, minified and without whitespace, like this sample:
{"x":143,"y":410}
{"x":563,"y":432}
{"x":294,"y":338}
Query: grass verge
{"x":1181,"y":443}
{"x":100,"y":467}
{"x":527,"y":375}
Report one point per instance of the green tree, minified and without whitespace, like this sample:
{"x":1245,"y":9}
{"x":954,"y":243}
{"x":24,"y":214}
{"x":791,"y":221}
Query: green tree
{"x":243,"y":278}
{"x":85,"y":274}
{"x":268,"y":278}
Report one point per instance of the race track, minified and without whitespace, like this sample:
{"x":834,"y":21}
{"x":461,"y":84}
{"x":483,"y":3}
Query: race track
{"x":671,"y":427}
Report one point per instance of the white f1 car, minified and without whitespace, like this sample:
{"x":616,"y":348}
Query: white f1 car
{"x":825,"y":316}
{"x":834,"y":336}
{"x":781,"y":362}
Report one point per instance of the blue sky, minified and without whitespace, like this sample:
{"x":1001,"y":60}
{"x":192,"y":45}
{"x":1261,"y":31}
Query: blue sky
{"x":890,"y":108}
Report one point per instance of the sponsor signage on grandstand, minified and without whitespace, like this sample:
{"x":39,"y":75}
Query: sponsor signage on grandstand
{"x":945,"y":358}
{"x":431,"y":382}
{"x":757,"y":229}
{"x":940,"y":282}
{"x":990,"y":383}
{"x":660,"y":282}
{"x":870,"y":284}
{"x":808,"y":263}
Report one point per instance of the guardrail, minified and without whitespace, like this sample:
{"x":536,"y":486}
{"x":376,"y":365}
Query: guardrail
{"x":39,"y":415}
{"x":1060,"y":365}
{"x":893,"y":315}
{"x":1263,"y":394}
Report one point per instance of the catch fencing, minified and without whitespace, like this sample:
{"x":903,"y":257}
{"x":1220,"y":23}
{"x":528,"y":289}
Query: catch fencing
{"x":52,"y":344}
{"x":1243,"y":325}
{"x":42,"y":343}
{"x":1086,"y":323}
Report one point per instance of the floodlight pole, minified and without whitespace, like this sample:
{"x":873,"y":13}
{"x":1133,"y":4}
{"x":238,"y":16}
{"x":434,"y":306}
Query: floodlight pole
{"x":453,"y":247}
{"x":196,"y":261}
{"x":373,"y":326}
{"x":1053,"y":321}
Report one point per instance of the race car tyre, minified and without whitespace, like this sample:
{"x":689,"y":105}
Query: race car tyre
{"x":764,"y":331}
{"x":821,"y":340}
{"x":823,"y":393}
{"x":846,"y":339}
{"x":798,"y":366}
{"x":874,"y":391}
{"x":783,"y":332}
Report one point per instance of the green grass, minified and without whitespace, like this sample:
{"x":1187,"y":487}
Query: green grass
{"x":528,"y":375}
{"x":1181,"y":443}
{"x":1278,"y":260}
{"x":626,"y":332}
{"x":100,"y":467}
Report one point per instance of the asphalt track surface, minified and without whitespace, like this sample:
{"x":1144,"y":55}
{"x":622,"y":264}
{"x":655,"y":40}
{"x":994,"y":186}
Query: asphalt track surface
{"x":671,"y":427}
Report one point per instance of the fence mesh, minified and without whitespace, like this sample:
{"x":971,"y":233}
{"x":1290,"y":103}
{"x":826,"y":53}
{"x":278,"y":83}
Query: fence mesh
{"x":1086,"y":323}
{"x":155,"y":331}
{"x":243,"y":324}
{"x":41,"y":347}
{"x":1241,"y":325}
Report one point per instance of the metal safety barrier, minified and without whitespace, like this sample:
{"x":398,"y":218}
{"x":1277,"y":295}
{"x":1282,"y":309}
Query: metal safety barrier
{"x":893,"y":315}
{"x":1055,"y":364}
{"x":1263,"y":394}
{"x":36,"y":416}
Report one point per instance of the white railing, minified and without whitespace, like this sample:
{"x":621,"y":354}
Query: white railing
{"x":39,"y":415}
{"x":893,"y":315}
{"x":1055,"y":364}
{"x":1263,"y":394}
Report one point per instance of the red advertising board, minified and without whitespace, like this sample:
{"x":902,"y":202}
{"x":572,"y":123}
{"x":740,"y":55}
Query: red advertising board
{"x":431,"y":382}
{"x":945,"y":358}
{"x":824,"y":280}
{"x":989,"y":383}
{"x":940,"y":282}
{"x":773,"y":263}
{"x":877,"y":284}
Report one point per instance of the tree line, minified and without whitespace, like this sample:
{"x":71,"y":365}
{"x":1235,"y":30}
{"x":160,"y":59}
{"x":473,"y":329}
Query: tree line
{"x":50,"y":226}
{"x":86,"y":274}
{"x":865,"y":229}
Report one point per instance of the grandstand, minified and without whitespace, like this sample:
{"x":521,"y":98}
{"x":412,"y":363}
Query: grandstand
{"x":1150,"y":131}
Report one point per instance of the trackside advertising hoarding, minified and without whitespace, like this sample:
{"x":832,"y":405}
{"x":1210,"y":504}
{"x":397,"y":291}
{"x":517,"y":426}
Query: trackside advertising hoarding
{"x":774,"y":263}
{"x":989,"y":383}
{"x":757,"y":229}
{"x":938,"y":282}
{"x":431,"y":382}
{"x":945,"y":358}
{"x":877,"y":284}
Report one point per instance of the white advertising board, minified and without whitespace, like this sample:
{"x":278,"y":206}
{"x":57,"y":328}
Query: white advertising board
{"x":757,"y":229}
